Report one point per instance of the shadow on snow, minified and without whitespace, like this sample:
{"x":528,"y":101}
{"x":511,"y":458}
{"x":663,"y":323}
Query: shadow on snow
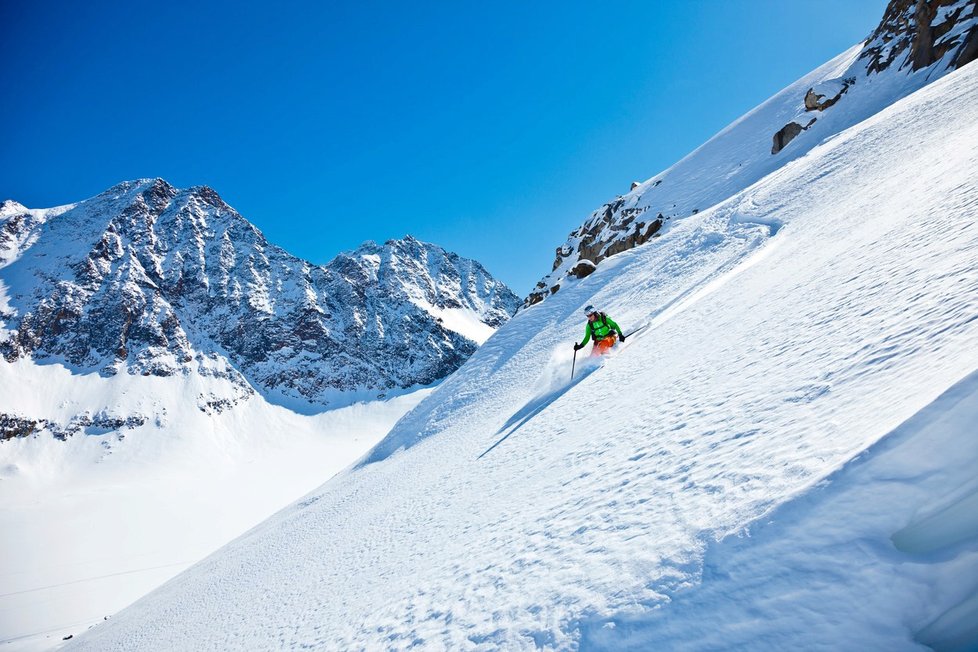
{"x":536,"y":405}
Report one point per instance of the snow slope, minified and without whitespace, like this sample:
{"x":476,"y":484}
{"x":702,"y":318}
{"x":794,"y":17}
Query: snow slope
{"x":845,"y":552}
{"x":92,"y":523}
{"x":839,"y":94}
{"x":770,"y":455}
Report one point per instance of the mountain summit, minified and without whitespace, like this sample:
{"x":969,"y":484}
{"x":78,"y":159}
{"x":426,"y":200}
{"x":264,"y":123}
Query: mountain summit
{"x":150,"y":279}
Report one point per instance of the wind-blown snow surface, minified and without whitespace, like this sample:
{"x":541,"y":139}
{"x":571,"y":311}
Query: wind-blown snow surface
{"x":792,"y":328}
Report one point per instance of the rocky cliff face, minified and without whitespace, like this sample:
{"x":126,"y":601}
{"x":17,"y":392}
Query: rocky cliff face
{"x":916,"y":34}
{"x":929,"y":37}
{"x":148,"y":279}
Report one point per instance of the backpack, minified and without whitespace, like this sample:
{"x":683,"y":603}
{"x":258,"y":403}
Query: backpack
{"x":604,"y":320}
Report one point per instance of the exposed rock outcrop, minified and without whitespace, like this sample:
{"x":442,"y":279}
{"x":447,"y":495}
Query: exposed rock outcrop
{"x":583,"y":268}
{"x":12,"y":426}
{"x":826,"y":94}
{"x":787,"y":133}
{"x":919,"y":33}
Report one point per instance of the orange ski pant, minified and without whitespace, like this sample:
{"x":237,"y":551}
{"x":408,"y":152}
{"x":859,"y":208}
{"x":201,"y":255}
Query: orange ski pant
{"x":604,"y":345}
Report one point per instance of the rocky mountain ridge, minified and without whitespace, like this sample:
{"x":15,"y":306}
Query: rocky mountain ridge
{"x":149,"y":279}
{"x":917,"y":34}
{"x":916,"y":42}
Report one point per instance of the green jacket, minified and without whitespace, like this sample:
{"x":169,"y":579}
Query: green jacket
{"x":600,"y":328}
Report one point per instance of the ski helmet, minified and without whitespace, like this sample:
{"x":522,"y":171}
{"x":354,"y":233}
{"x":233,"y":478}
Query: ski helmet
{"x":589,"y":309}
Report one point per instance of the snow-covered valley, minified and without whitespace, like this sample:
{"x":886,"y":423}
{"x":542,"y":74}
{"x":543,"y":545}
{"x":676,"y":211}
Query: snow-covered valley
{"x":94,"y":522}
{"x":784,"y":458}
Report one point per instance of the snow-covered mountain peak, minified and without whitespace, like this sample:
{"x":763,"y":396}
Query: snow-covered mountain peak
{"x":151,"y":279}
{"x":408,"y":245}
{"x":134,"y":186}
{"x":150,"y":191}
{"x":9,"y":207}
{"x":458,"y":293}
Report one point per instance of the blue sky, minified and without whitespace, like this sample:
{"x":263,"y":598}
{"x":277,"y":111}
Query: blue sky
{"x":492,"y":129}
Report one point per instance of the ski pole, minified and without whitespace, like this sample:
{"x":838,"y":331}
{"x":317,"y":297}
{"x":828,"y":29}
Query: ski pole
{"x":573,"y":364}
{"x":640,"y":328}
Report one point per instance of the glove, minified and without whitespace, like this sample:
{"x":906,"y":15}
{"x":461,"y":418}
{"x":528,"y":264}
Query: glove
{"x":578,"y":347}
{"x":621,"y":337}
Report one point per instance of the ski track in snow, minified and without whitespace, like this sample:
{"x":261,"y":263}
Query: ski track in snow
{"x":609,"y":509}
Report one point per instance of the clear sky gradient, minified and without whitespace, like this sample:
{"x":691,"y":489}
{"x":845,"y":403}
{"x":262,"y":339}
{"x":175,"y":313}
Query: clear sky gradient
{"x":490,"y":128}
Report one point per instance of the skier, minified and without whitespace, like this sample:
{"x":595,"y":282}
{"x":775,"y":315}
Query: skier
{"x":600,"y":327}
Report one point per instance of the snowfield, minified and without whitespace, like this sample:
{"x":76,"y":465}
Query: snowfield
{"x":784,"y":458}
{"x":93,"y":523}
